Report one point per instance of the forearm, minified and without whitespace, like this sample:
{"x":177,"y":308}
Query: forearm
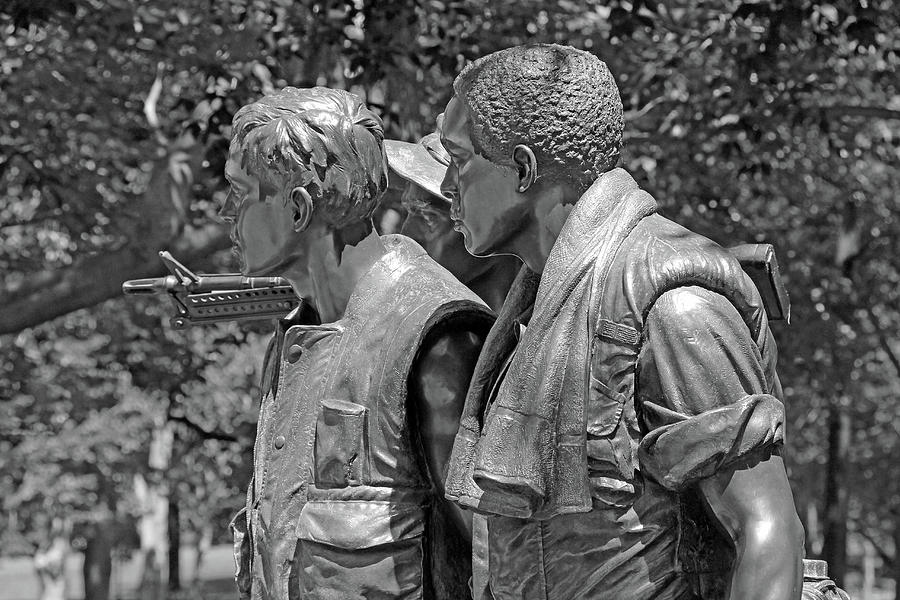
{"x":754,"y":505}
{"x":768,"y":563}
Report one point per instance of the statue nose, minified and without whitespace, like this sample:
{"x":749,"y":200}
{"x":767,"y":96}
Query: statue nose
{"x":449,"y":187}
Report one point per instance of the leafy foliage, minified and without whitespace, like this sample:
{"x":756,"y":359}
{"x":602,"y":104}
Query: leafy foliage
{"x":750,"y":121}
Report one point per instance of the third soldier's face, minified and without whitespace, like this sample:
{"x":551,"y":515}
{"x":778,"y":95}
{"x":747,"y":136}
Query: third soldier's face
{"x":428,"y":222}
{"x":486,"y":206}
{"x":261,"y":220}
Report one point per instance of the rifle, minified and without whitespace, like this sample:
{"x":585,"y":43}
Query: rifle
{"x":201,"y":298}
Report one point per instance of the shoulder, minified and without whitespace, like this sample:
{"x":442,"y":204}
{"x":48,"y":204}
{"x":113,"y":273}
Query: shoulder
{"x":692,"y":309}
{"x":662,"y":256}
{"x":672,"y":254}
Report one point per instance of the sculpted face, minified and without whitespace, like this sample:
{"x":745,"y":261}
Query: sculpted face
{"x":262,"y":221}
{"x":486,"y":205}
{"x":429,"y":224}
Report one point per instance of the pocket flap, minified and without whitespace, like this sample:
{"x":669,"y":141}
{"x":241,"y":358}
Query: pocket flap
{"x":359,"y":524}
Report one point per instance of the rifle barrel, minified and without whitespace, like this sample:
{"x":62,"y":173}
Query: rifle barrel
{"x":159,"y":285}
{"x":203,"y":284}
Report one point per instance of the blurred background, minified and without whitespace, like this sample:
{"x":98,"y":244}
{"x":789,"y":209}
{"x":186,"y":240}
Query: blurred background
{"x":125,"y":445}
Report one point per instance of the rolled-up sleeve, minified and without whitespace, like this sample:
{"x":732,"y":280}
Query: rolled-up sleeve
{"x":702,"y":392}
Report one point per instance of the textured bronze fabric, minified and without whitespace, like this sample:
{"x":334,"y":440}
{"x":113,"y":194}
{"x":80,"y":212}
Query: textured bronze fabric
{"x":666,"y":292}
{"x":823,"y":590}
{"x":340,"y":502}
{"x":459,"y":484}
{"x":609,"y":553}
{"x":530,"y":459}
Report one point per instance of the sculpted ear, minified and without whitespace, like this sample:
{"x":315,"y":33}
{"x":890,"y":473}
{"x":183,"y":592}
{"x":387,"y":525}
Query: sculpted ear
{"x":526,"y":166}
{"x":303,"y":208}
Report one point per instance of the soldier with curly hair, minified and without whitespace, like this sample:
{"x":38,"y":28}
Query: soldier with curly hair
{"x":624,"y":426}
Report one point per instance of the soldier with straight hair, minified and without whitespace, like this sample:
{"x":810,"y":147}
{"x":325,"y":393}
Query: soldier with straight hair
{"x":358,"y":412}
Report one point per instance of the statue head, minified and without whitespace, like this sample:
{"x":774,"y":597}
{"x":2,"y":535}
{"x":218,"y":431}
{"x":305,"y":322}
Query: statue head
{"x":301,"y":159}
{"x":522,"y":121}
{"x":423,"y":166}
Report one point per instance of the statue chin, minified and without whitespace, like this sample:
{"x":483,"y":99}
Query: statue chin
{"x":469,"y":243}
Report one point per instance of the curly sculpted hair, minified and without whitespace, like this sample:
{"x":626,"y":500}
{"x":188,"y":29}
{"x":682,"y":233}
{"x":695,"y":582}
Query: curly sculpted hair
{"x":561,"y":102}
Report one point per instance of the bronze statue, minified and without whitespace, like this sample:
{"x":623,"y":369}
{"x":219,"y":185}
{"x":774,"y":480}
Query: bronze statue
{"x":428,"y":221}
{"x":624,"y":426}
{"x":359,"y":411}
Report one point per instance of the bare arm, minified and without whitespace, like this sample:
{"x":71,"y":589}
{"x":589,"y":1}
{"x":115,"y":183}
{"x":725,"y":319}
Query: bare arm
{"x":439,"y":383}
{"x":700,"y":357}
{"x":754,"y":505}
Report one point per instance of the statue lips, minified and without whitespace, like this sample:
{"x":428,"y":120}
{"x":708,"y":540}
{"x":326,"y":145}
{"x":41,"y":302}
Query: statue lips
{"x":459,"y":225}
{"x":456,"y":216}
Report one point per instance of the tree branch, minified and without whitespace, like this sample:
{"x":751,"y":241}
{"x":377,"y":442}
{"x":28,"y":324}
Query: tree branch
{"x":851,"y":110}
{"x":204,"y":433}
{"x":877,"y":544}
{"x":158,"y":223}
{"x":883,"y":340}
{"x":50,"y":294}
{"x":34,"y":220}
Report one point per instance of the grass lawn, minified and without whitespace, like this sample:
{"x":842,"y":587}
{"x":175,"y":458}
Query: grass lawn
{"x":19,"y":582}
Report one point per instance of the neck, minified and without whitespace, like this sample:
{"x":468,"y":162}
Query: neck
{"x":335,"y":268}
{"x":551,"y":211}
{"x":493,"y":284}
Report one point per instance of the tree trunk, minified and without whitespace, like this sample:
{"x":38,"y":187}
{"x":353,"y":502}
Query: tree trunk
{"x":174,"y":541}
{"x":98,"y":561}
{"x":895,"y":567}
{"x":835,"y":547}
{"x":153,"y":524}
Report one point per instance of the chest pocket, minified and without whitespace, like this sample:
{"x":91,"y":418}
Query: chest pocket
{"x":609,"y":416}
{"x":604,"y":409}
{"x":341,"y":456}
{"x":613,"y":359}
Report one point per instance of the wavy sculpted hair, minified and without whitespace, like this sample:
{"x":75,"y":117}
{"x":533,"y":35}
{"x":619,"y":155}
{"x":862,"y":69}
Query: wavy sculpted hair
{"x":561,"y":102}
{"x":324,"y":140}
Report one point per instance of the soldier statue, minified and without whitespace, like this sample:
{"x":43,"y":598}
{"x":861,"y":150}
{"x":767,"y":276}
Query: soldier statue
{"x":624,"y":427}
{"x":359,"y":410}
